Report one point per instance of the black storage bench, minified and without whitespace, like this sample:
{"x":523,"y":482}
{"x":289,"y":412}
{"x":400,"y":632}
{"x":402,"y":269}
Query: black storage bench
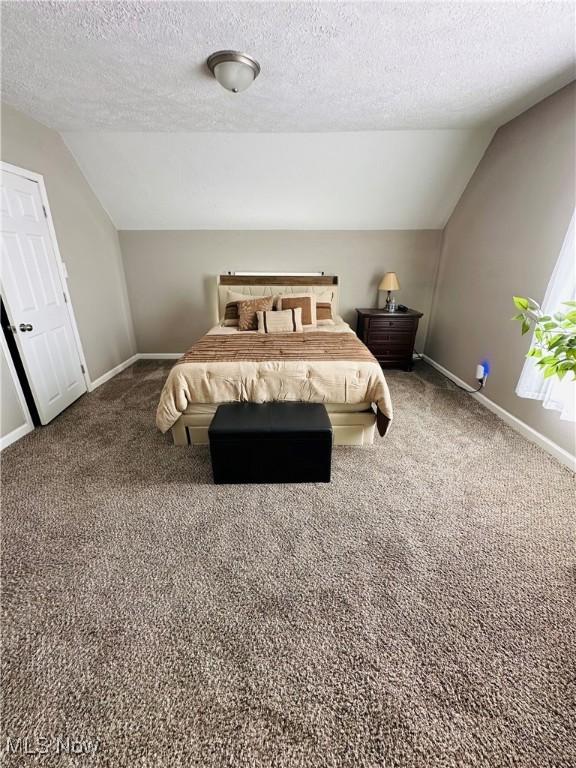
{"x":271,"y":443}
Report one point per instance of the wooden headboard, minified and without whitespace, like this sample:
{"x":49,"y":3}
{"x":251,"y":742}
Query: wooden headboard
{"x":264,"y":285}
{"x":301,"y":280}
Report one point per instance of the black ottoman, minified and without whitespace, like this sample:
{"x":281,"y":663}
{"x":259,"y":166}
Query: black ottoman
{"x":271,"y":443}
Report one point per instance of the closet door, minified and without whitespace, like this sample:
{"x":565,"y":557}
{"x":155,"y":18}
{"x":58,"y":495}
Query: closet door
{"x":36,"y":299}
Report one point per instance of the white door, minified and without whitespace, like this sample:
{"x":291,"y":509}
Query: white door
{"x":35,"y":299}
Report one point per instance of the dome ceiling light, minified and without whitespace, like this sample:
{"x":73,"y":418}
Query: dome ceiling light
{"x":234,"y":71}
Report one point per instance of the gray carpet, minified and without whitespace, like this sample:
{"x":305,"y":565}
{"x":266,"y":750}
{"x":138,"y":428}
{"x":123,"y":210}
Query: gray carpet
{"x":417,"y":612}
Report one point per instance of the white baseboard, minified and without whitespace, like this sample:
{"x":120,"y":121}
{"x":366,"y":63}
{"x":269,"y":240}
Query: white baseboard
{"x":159,"y":355}
{"x":16,"y":434}
{"x":127,"y":363}
{"x":566,"y":458}
{"x":112,"y":372}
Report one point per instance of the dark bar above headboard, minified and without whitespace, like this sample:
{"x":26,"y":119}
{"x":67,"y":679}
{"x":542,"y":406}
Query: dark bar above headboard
{"x":278,"y":280}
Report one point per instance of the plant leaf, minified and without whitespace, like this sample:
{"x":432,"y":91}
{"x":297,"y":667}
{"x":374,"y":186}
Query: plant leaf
{"x":555,"y":340}
{"x":521,"y":302}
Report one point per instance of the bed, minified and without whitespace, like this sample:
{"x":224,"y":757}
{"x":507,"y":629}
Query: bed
{"x":325,"y":363}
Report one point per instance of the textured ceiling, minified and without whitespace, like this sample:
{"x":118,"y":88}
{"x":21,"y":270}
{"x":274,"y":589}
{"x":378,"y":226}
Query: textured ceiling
{"x":335,"y":66}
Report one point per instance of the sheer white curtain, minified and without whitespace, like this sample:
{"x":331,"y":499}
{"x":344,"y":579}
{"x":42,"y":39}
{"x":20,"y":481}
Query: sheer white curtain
{"x":555,"y":394}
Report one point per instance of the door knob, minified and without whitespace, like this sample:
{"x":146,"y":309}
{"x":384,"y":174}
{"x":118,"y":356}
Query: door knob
{"x":25,"y":327}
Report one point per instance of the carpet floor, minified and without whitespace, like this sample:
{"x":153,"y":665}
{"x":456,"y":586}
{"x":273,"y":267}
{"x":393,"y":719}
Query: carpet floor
{"x":418,"y":612}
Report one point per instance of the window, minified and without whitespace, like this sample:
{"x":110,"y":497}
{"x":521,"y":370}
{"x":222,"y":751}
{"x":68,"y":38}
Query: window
{"x":555,"y":394}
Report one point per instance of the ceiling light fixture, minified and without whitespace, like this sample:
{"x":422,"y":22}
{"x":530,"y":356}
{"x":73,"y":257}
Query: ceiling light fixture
{"x":234,"y":71}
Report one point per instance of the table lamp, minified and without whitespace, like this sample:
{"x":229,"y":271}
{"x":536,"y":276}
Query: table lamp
{"x":389,"y":283}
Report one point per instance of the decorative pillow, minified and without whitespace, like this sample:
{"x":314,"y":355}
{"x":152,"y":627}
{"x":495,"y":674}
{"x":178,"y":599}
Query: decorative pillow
{"x":231,"y":314}
{"x":280,"y":321}
{"x":247,"y":309}
{"x":324,"y":308}
{"x":324,"y":313}
{"x":231,"y":309}
{"x":306,"y":302}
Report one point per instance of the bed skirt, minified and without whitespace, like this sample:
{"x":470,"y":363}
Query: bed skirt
{"x":351,"y":424}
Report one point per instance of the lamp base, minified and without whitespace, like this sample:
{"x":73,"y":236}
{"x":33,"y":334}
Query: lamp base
{"x":390,"y":303}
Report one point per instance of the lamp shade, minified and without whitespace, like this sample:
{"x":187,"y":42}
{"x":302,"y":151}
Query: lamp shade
{"x":389,"y":282}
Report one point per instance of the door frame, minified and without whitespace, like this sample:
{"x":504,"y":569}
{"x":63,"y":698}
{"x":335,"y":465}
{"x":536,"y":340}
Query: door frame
{"x":62,"y":271}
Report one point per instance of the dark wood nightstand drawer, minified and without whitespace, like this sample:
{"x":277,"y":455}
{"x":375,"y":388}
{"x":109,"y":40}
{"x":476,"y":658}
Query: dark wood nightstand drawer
{"x":384,"y":323}
{"x":390,"y":361}
{"x":385,"y":350}
{"x":380,"y":336}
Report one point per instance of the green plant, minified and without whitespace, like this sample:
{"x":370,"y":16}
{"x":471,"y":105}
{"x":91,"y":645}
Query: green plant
{"x":554,"y":336}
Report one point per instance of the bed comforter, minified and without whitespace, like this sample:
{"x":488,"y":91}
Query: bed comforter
{"x":316,"y":366}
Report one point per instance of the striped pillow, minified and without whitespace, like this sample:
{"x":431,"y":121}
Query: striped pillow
{"x":231,"y":314}
{"x":280,"y":321}
{"x":247,"y":317}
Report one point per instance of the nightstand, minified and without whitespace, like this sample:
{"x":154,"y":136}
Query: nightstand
{"x":389,"y":335}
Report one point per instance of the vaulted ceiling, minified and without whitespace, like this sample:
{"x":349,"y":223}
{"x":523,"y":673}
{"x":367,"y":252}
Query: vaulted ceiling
{"x":411,"y":93}
{"x":377,"y":180}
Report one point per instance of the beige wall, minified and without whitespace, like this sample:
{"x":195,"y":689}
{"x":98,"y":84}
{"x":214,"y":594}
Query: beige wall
{"x":171,"y":274}
{"x":11,"y":413}
{"x":503,"y":239}
{"x":87,"y":239}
